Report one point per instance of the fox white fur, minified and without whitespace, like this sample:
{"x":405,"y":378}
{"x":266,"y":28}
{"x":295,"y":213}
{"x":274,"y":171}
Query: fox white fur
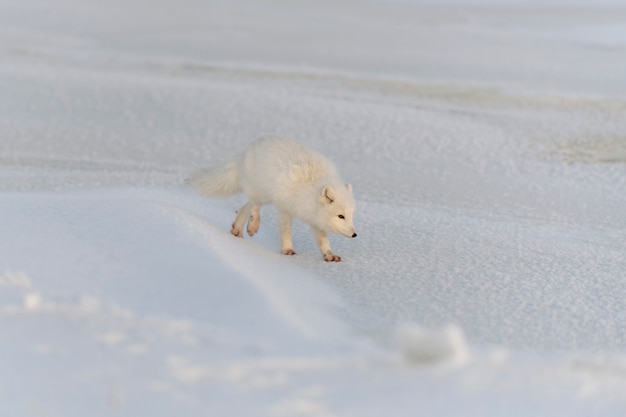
{"x":300,"y":182}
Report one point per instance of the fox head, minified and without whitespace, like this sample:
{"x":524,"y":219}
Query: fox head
{"x":337,"y":209}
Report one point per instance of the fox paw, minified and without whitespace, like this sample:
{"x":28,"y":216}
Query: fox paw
{"x":253,"y":226}
{"x":235,"y":231}
{"x":331,"y":257}
{"x":288,"y":252}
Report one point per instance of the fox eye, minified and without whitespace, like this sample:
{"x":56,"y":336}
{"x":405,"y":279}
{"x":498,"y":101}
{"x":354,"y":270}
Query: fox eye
{"x":341,"y":216}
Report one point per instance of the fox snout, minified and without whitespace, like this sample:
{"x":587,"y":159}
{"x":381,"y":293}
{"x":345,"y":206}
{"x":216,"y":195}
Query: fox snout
{"x":349,"y":233}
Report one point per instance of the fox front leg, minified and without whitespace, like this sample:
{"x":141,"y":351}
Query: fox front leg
{"x":321,"y":237}
{"x":284,"y":227}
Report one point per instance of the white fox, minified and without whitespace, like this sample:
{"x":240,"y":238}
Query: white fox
{"x":300,"y":182}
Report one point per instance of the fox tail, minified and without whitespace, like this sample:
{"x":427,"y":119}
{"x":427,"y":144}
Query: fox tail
{"x":217,"y":182}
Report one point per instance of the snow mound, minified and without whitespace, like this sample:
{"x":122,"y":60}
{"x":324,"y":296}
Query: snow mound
{"x":427,"y":346}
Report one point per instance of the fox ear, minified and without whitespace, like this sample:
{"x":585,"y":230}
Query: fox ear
{"x":328,"y":194}
{"x":349,"y":187}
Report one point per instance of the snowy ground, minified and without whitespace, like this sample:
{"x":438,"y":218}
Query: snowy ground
{"x":486,"y":142}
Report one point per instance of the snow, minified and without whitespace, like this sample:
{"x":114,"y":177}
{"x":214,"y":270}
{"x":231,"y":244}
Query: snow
{"x":424,"y":346}
{"x":485,"y":143}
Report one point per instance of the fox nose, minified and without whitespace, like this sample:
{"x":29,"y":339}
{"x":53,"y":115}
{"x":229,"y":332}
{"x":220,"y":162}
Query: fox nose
{"x":354,"y":235}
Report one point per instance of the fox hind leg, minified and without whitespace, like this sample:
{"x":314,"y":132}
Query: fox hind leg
{"x":254,"y":220}
{"x":242,"y":215}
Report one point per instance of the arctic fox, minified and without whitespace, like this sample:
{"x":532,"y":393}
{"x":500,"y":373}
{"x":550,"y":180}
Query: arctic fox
{"x":297,"y":180}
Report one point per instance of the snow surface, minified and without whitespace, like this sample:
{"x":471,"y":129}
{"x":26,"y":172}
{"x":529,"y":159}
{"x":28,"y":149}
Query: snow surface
{"x":486,"y":144}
